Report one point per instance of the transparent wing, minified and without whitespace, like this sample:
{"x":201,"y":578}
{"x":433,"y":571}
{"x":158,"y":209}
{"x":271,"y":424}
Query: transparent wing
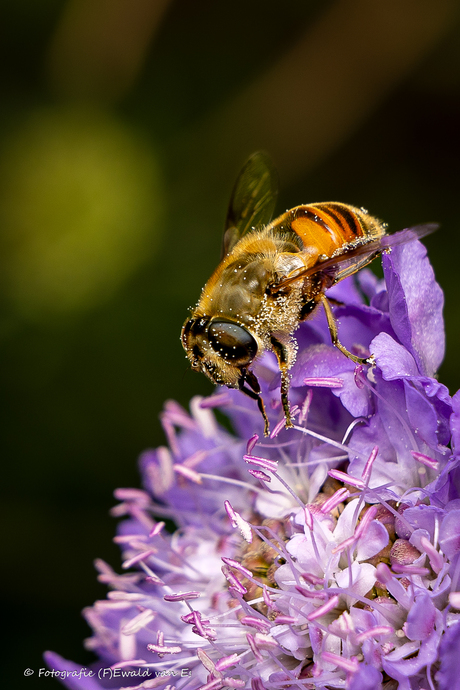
{"x":353,"y":260}
{"x":253,"y":199}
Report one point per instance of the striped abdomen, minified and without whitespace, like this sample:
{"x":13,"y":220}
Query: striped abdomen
{"x":330,"y":226}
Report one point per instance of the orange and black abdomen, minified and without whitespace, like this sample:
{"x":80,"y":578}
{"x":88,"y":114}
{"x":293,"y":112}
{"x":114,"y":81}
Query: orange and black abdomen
{"x":331,"y":225}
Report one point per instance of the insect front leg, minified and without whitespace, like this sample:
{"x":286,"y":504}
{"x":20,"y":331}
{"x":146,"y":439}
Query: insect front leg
{"x":283,"y":356}
{"x":251,"y":379}
{"x":332,"y":324}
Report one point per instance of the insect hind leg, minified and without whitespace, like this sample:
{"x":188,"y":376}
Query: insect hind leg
{"x":332,"y":324}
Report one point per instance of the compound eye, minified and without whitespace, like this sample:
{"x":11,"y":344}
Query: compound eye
{"x":234,"y":343}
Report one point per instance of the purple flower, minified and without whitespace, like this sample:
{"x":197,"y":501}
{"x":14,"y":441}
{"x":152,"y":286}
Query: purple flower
{"x":327,"y":556}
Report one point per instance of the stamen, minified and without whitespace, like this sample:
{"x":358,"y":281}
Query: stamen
{"x":182,"y":596}
{"x":325,"y":608}
{"x":217,"y":400}
{"x":308,"y":518}
{"x":266,"y":598}
{"x":234,"y":582}
{"x":409,"y":569}
{"x":139,"y":622}
{"x":306,"y":406}
{"x":239,"y":523}
{"x":232,"y":683}
{"x":346,"y":478}
{"x":162,"y":649}
{"x":188,"y":473}
{"x":227,"y":661}
{"x":205,"y":660}
{"x":324,"y":382}
{"x":330,"y":441}
{"x":344,"y":544}
{"x":137,"y":495}
{"x":235,"y":564}
{"x":338,"y":497}
{"x":156,"y":529}
{"x":265,"y":641}
{"x":285,"y":620}
{"x":258,"y":474}
{"x":259,"y":623}
{"x":253,"y":646}
{"x":434,"y":556}
{"x":270,"y":465}
{"x":279,"y":427}
{"x":359,"y":375}
{"x":368,"y":466}
{"x":311,"y":593}
{"x":140,"y":557}
{"x":349,"y":665}
{"x":373,"y":632}
{"x":425,"y":460}
{"x":251,"y":443}
{"x":313,"y":579}
{"x":366,"y":521}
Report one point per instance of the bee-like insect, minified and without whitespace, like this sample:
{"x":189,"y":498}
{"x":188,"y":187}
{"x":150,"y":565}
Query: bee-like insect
{"x":273,"y":275}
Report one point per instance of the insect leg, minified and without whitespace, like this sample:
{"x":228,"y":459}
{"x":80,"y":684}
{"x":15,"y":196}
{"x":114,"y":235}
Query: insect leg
{"x":332,"y":324}
{"x":255,"y":395}
{"x":282,"y":355}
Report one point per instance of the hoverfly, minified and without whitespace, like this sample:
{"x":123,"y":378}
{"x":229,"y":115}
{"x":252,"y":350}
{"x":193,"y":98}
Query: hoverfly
{"x":272,"y":276}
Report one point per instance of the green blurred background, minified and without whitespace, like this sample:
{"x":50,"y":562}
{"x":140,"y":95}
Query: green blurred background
{"x":123,"y":126}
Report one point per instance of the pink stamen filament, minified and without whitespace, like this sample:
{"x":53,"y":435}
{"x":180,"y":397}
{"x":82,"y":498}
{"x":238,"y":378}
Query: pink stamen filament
{"x":251,"y":443}
{"x":258,"y":474}
{"x":161,"y":649}
{"x":349,"y":665}
{"x":368,"y":466}
{"x":227,"y":661}
{"x":330,"y":441}
{"x":270,"y":465}
{"x":235,"y":564}
{"x":425,"y":460}
{"x":182,"y":596}
{"x":324,"y":382}
{"x":286,"y":620}
{"x":188,"y":473}
{"x":140,"y":557}
{"x":363,"y":526}
{"x":279,"y":427}
{"x":335,"y":500}
{"x":346,"y":478}
{"x":344,"y":544}
{"x":434,"y":556}
{"x":156,"y":529}
{"x":306,"y":406}
{"x":253,"y":646}
{"x":229,"y":480}
{"x":132,"y":495}
{"x":373,"y":632}
{"x":311,"y":593}
{"x":410,"y":569}
{"x":259,"y":623}
{"x":325,"y":608}
{"x":216,"y":400}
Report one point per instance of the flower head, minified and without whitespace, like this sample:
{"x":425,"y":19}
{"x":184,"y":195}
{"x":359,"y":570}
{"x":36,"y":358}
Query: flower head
{"x":324,"y":557}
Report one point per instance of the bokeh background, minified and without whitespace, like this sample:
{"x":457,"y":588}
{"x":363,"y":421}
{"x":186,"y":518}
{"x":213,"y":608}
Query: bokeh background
{"x":123,"y":124}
